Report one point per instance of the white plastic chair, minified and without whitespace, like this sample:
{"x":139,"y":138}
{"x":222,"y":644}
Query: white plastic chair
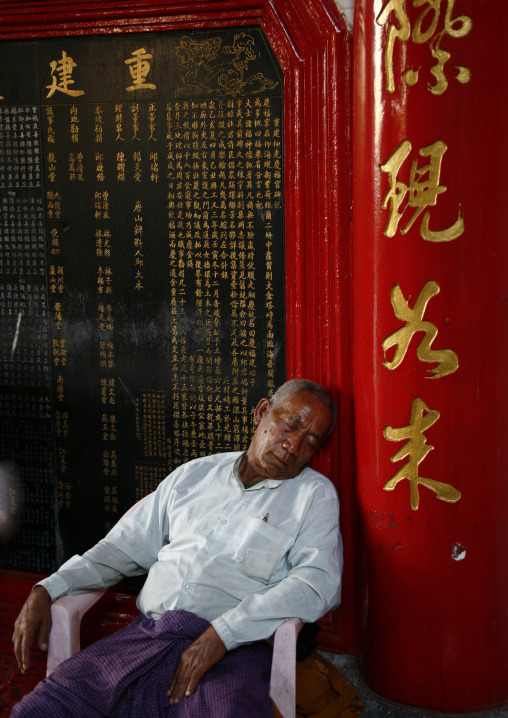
{"x":64,"y":642}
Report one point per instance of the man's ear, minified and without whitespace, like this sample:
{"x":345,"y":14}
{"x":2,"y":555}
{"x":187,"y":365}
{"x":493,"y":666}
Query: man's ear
{"x":261,"y":409}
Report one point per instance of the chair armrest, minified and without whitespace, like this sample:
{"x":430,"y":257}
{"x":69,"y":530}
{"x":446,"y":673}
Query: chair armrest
{"x":66,"y":615}
{"x":283,"y":676}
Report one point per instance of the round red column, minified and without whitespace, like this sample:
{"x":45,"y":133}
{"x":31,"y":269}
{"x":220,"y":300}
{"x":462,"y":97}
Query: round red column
{"x":430,"y":349}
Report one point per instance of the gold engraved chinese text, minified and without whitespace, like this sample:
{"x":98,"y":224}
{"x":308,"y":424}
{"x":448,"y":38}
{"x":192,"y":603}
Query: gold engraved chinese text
{"x":421,"y":192}
{"x":448,"y":360}
{"x":58,"y":317}
{"x":74,"y":124}
{"x":106,"y":355}
{"x":56,"y":279}
{"x":139,"y":67}
{"x":154,"y":167}
{"x":104,"y":280}
{"x":51,"y":166}
{"x":53,"y":205}
{"x":138,"y":245}
{"x":152,"y":120}
{"x":50,"y":116}
{"x":98,"y":124}
{"x":108,"y":391}
{"x":60,"y":393}
{"x":55,"y":247}
{"x":120,"y":166}
{"x":59,"y":352}
{"x":119,"y":122}
{"x":425,"y":30}
{"x":99,"y":166}
{"x":136,"y":156}
{"x":105,"y":322}
{"x":101,"y":205}
{"x":61,"y":71}
{"x":416,"y":448}
{"x":76,"y":167}
{"x":135,"y":120}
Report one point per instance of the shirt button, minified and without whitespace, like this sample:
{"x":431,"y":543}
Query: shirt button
{"x":204,"y":552}
{"x":186,"y":585}
{"x":224,"y":521}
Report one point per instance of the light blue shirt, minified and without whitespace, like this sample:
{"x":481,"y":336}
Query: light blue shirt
{"x":244,"y":559}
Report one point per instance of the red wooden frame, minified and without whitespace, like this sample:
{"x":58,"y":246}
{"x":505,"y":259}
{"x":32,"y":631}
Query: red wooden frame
{"x":313,"y":47}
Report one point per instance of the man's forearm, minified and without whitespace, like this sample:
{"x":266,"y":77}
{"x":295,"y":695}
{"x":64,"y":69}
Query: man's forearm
{"x":100,"y":567}
{"x":258,"y":616}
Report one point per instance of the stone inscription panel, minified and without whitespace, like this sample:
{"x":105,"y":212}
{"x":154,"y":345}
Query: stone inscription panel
{"x":141,"y":270}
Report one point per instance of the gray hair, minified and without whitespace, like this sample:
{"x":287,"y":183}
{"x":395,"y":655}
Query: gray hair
{"x":295,"y":386}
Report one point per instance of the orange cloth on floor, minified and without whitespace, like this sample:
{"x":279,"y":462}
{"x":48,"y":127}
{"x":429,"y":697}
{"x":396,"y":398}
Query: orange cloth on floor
{"x":322,"y":692}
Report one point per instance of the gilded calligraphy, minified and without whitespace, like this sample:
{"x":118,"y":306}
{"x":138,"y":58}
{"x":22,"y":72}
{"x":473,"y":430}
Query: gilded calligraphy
{"x":61,"y":71}
{"x":425,"y":30}
{"x":416,"y":448}
{"x":422,"y":192}
{"x":139,"y":67}
{"x":448,"y":360}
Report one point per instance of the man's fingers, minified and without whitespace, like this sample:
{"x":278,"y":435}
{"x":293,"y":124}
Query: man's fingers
{"x":23,"y":639}
{"x":43,"y":637}
{"x":26,"y":651}
{"x":186,"y":678}
{"x":18,"y":637}
{"x":34,"y":620}
{"x":173,"y":681}
{"x":179,"y":683}
{"x":195,"y":661}
{"x":17,"y":649}
{"x":184,"y":686}
{"x":193,"y":683}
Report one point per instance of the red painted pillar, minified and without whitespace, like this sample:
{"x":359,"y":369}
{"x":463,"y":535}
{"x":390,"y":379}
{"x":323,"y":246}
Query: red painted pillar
{"x":431,"y":347}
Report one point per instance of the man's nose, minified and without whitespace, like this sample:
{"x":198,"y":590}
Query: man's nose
{"x":292,"y":444}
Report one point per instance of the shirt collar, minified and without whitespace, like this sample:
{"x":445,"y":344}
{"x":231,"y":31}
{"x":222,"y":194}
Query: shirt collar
{"x":266,"y":483}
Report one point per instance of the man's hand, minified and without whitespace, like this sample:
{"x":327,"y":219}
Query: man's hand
{"x":34,"y":621}
{"x":195,"y":661}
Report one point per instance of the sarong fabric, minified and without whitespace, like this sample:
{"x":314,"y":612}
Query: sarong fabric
{"x":127,"y":675}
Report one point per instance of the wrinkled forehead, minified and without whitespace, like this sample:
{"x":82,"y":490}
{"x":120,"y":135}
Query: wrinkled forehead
{"x":306,"y":408}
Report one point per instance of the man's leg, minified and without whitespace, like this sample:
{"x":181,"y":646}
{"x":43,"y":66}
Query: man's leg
{"x":129,"y":672}
{"x":100,"y":680}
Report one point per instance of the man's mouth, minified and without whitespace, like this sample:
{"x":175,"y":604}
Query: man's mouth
{"x":279,"y":461}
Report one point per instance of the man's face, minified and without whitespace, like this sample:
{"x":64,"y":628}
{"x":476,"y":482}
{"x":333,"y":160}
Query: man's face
{"x":287,"y":436}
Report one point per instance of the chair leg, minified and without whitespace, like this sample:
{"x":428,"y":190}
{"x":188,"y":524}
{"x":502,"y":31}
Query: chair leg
{"x":283,"y":676}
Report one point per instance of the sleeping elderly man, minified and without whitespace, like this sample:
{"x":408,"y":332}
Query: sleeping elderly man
{"x":233,"y":544}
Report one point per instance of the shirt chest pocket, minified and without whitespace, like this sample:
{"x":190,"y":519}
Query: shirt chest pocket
{"x":259,"y":548}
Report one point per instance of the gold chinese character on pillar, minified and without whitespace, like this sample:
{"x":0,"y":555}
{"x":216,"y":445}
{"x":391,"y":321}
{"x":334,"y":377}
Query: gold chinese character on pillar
{"x":421,"y":192}
{"x":416,"y":448}
{"x":448,"y":362}
{"x":425,"y":30}
{"x":61,"y":71}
